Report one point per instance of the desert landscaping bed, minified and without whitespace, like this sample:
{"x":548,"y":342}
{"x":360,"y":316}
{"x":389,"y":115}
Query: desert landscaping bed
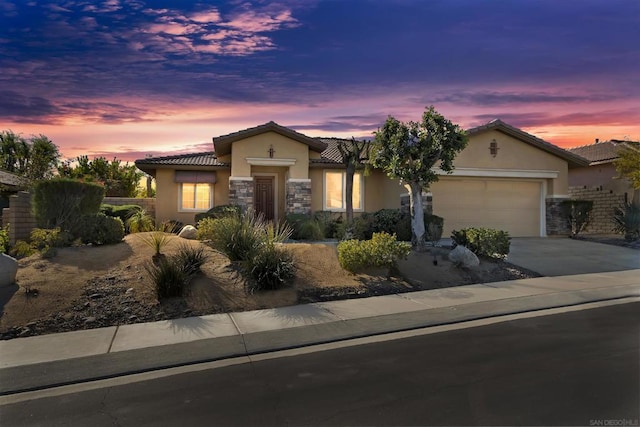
{"x":88,"y":287}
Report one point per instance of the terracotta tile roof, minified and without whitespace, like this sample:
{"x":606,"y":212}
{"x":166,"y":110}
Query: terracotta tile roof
{"x":194,"y":159}
{"x":497,"y":124}
{"x":222,"y":144}
{"x":331,"y":154}
{"x":603,"y":152}
{"x":11,"y":179}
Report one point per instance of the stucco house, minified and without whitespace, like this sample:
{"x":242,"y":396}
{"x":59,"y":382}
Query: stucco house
{"x":599,"y":182}
{"x":601,"y":171}
{"x":505,"y":179}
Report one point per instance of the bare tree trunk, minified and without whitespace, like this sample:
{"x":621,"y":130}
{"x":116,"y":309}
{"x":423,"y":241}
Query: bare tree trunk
{"x":417,"y":216}
{"x":348,"y":192}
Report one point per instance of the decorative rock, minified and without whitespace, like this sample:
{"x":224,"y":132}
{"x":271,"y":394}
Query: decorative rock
{"x":188,"y":232}
{"x":462,"y":255}
{"x":133,"y":317}
{"x":95,"y":296}
{"x":89,"y":319}
{"x":128,"y":291}
{"x":8,"y":270}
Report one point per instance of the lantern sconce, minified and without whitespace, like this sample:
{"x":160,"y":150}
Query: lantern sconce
{"x":493,"y":148}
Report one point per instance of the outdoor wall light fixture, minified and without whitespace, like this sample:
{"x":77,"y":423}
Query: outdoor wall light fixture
{"x":493,"y":148}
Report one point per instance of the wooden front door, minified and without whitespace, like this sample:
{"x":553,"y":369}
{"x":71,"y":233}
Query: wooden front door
{"x":264,"y":196}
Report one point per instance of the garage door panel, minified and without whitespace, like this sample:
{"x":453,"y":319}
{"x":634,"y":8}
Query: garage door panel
{"x":513,"y":206}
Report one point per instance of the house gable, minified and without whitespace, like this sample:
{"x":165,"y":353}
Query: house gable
{"x":270,"y":149}
{"x":222,"y":144}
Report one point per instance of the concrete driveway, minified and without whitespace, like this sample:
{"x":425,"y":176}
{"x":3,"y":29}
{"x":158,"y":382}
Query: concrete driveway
{"x":561,"y":256}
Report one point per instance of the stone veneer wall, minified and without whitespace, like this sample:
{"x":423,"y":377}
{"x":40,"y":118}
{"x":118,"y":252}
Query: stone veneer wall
{"x":298,"y":197}
{"x":148,"y":204}
{"x":241,"y":193}
{"x":427,"y":203}
{"x":556,"y":221}
{"x":19,"y":217}
{"x":604,"y":202}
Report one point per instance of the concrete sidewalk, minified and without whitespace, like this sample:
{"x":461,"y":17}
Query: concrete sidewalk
{"x":49,"y":360}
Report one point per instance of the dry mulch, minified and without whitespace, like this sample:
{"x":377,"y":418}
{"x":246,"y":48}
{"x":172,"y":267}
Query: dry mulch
{"x":89,"y":287}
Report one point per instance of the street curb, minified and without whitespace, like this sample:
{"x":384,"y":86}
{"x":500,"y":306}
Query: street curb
{"x":40,"y":376}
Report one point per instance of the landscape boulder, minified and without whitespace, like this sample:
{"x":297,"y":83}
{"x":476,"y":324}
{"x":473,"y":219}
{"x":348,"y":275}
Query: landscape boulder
{"x":8,"y":270}
{"x":188,"y":232}
{"x":462,"y":255}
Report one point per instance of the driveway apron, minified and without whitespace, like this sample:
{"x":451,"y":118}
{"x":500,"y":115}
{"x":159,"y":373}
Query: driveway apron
{"x":560,"y":256}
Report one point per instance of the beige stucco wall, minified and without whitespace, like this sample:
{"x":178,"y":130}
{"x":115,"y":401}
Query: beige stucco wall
{"x":604,"y":175}
{"x":515,"y":155}
{"x":380,"y":192}
{"x":258,"y":146}
{"x":167,"y":195}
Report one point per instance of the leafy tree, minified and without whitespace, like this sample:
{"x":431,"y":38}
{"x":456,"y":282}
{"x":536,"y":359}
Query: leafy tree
{"x":628,"y":163}
{"x":34,"y":159}
{"x":119,"y":180}
{"x":353,"y":154}
{"x":409,"y":151}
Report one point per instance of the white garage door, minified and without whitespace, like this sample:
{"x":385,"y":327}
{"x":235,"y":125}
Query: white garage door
{"x":510,"y":205}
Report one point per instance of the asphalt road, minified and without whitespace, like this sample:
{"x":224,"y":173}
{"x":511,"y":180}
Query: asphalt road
{"x":578,"y":368}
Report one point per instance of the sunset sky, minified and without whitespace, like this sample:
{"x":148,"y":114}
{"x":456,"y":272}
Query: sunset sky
{"x":129,"y":78}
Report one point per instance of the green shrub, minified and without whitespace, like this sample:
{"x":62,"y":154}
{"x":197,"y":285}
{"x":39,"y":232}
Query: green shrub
{"x":139,"y":221}
{"x":62,"y":202}
{"x":172,"y":275}
{"x":329,"y":222}
{"x":99,"y":229}
{"x":311,"y":230}
{"x":42,"y":238}
{"x":156,"y":240}
{"x":119,"y":211}
{"x":483,"y":241}
{"x":361,"y":228}
{"x":433,"y":226}
{"x":171,"y":226}
{"x":627,"y":221}
{"x":22,"y":249}
{"x":403,"y":228}
{"x":4,"y":240}
{"x":386,"y":220}
{"x":577,"y":213}
{"x":219,"y":212}
{"x":107,"y":209}
{"x":237,"y":237}
{"x":304,"y":227}
{"x":295,"y":221}
{"x":169,"y":278}
{"x":190,"y":258}
{"x":270,"y":267}
{"x":382,"y":251}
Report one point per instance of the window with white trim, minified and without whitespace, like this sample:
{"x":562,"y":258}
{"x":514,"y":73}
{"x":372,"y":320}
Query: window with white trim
{"x":196,"y":196}
{"x":335,"y":190}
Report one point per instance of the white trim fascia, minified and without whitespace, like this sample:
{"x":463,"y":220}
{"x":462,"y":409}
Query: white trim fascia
{"x":499,"y":173}
{"x":268,"y":161}
{"x":558,"y":196}
{"x":276,"y":201}
{"x":299,"y":180}
{"x":240,"y":178}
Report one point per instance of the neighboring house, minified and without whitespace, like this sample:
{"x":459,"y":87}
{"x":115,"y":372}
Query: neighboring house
{"x":10,"y":184}
{"x":505,"y":179}
{"x":600,"y":182}
{"x":601,"y":171}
